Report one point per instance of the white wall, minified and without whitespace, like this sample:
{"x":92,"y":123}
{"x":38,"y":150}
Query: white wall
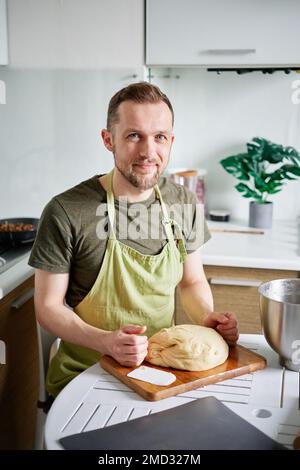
{"x":49,"y":133}
{"x":66,"y":59}
{"x":215,"y":115}
{"x":56,"y":104}
{"x":49,"y":130}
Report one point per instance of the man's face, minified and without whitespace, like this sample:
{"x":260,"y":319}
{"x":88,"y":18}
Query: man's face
{"x":141,"y":142}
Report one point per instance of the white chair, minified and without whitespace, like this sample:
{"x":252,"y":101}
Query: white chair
{"x":47,"y":343}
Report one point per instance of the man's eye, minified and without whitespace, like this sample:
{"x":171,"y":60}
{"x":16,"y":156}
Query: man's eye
{"x":134,"y":136}
{"x":161,"y":137}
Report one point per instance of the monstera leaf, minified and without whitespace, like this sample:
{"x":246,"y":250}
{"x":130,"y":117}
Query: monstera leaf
{"x":266,"y":167}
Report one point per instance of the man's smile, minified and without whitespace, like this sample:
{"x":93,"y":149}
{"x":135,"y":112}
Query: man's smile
{"x":145,"y":167}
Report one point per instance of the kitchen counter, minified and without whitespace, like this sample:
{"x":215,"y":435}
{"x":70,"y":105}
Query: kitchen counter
{"x":15,"y":276}
{"x":278,"y":248}
{"x":275,"y":249}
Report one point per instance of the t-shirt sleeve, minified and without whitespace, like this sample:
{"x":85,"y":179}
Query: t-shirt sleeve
{"x":195,"y":230}
{"x":198,"y":236}
{"x":52,"y":250}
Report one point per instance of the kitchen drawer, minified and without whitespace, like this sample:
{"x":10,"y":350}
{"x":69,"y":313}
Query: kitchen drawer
{"x":19,"y":375}
{"x":236,"y":290}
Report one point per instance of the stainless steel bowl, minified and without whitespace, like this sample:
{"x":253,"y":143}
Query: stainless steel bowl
{"x":280,"y":316}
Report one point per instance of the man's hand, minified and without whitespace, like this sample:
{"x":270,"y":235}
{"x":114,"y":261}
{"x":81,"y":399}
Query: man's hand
{"x":225,"y":324}
{"x":125,"y":346}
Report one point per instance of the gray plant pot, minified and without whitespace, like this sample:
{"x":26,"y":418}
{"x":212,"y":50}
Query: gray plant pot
{"x":260,"y":215}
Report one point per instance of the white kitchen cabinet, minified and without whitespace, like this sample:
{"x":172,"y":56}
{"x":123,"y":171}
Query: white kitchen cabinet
{"x":228,"y":33}
{"x":76,"y":34}
{"x":3,"y":34}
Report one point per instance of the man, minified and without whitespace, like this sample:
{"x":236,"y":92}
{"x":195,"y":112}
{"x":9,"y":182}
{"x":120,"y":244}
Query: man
{"x":121,"y":287}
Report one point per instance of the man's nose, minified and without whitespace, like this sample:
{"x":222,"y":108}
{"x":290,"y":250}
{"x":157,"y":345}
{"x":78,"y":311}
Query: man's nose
{"x":147,"y":148}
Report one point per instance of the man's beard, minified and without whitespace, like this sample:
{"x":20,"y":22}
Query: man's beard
{"x":139,"y":180}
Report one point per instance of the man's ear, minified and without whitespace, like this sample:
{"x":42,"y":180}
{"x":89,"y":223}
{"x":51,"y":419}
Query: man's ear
{"x":172,"y":141}
{"x":107,"y":139}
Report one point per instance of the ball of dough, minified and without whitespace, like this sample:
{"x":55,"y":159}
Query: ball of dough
{"x":187,"y":347}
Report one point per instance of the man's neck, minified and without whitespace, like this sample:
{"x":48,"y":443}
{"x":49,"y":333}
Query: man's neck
{"x":123,"y":188}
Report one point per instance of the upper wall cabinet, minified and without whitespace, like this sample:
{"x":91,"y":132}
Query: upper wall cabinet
{"x":228,"y":33}
{"x":76,"y":34}
{"x":3,"y":34}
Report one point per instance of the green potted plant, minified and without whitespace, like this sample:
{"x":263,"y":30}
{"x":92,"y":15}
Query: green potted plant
{"x":264,"y":169}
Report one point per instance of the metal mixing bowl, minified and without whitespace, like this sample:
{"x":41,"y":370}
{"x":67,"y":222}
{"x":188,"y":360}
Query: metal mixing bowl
{"x":280,"y":316}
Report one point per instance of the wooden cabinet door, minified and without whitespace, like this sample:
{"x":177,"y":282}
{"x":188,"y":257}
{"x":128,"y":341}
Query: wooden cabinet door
{"x":236,"y":290}
{"x":19,"y":375}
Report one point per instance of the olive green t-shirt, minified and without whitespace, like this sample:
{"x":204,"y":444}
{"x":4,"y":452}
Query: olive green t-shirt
{"x":73,"y":230}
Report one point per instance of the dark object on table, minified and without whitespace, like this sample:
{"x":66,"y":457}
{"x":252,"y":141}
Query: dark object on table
{"x":18,"y":230}
{"x":203,"y":424}
{"x":219,"y":215}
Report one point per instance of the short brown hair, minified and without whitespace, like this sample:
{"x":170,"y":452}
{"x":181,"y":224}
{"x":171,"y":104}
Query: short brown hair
{"x":142,"y":92}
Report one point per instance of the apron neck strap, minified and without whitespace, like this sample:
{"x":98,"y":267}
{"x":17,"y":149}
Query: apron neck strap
{"x":110,"y":205}
{"x":166,"y":218}
{"x":167,"y":222}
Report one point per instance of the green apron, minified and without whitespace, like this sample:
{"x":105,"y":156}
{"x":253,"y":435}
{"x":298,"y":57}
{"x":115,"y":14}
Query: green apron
{"x":131,"y":288}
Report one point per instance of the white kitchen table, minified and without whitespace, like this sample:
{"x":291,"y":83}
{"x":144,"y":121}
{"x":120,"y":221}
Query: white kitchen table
{"x":268,"y":399}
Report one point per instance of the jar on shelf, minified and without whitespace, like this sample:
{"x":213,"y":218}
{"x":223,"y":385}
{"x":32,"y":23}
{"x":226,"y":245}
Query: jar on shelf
{"x":200,"y":188}
{"x":192,"y":179}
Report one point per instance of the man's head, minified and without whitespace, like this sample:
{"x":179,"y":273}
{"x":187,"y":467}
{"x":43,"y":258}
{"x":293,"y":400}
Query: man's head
{"x":142,"y":92}
{"x":140,"y":133}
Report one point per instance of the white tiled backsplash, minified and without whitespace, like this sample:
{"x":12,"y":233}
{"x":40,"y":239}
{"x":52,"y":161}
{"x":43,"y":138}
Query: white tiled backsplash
{"x":49,"y":130}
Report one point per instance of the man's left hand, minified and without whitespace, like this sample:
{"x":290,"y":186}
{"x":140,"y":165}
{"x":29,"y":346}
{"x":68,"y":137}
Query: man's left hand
{"x":225,"y":324}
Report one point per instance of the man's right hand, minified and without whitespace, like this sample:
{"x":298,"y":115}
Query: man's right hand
{"x":126,"y":347}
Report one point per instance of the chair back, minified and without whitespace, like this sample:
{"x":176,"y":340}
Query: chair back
{"x":45,"y":343}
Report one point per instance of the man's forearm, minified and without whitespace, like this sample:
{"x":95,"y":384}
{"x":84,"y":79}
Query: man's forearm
{"x":65,"y":324}
{"x":196,"y":300}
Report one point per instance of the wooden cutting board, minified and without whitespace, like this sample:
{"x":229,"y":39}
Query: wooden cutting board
{"x":240,"y":361}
